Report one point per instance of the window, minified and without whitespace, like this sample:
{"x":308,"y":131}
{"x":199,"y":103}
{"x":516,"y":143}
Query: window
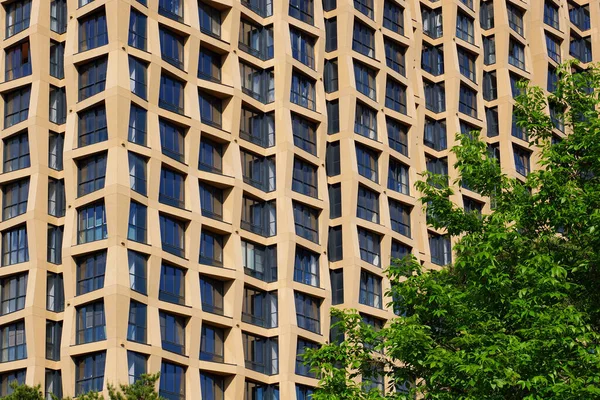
{"x":14,"y":198}
{"x":466,"y":62}
{"x":55,"y":294}
{"x":171,"y":96}
{"x":264,"y":8}
{"x":365,"y":7}
{"x":363,"y":40}
{"x":56,"y":197}
{"x":374,"y":379}
{"x":172,"y":284}
{"x":58,"y":16}
{"x":136,"y":365}
{"x":303,"y":46}
{"x":172,"y":188}
{"x":306,"y":220}
{"x":258,"y":171}
{"x":370,"y":290}
{"x":435,"y":134}
{"x":552,"y":80}
{"x":211,"y":156}
{"x":302,"y":10}
{"x":467,"y":101}
{"x":398,"y":177}
{"x":435,"y":96}
{"x":258,"y":83}
{"x":211,"y":294}
{"x":367,"y":161}
{"x":92,"y":126}
{"x":136,"y":325}
{"x":91,"y":173}
{"x":486,"y":14}
{"x":13,"y":290}
{"x":557,"y":116}
{"x":172,"y":332}
{"x":137,"y":29}
{"x":53,"y":340}
{"x":329,"y":5}
{"x":432,"y":22}
{"x":259,"y":307}
{"x":302,"y":91}
{"x":16,"y":106}
{"x":304,"y":178}
{"x":212,"y":344}
{"x":400,"y":217}
{"x":515,"y":18}
{"x":13,"y":344}
{"x":7,"y":378}
{"x":17,"y":17}
{"x":55,"y":151}
{"x":472,"y":206}
{"x":490,"y":86}
{"x":432,"y":59}
{"x":335,"y":248}
{"x":137,"y":271}
{"x":395,"y":96}
{"x":55,"y":239}
{"x":57,"y":59}
{"x":89,"y":373}
{"x":209,"y":65}
{"x":335,"y":200}
{"x":369,"y":244}
{"x":58,"y":105}
{"x":172,"y":139}
{"x":261,"y":354}
{"x":518,"y":131}
{"x":137,"y":173}
{"x":210,"y":19}
{"x":332,"y":159}
{"x":308,"y":312}
{"x":522,"y":157}
{"x":305,"y":134}
{"x":211,"y":249}
{"x":514,"y":88}
{"x":256,"y":40}
{"x":336,"y":277}
{"x":259,"y":261}
{"x":53,"y":383}
{"x":91,"y":223}
{"x":258,"y":128}
{"x":301,"y":368}
{"x":464,"y":28}
{"x":393,"y":17}
{"x":137,"y":125}
{"x":395,"y":56}
{"x":172,"y":9}
{"x":368,"y":205}
{"x":491,"y":116}
{"x":212,"y":387}
{"x":304,"y":392}
{"x":440,"y":248}
{"x":261,"y":391}
{"x":551,"y":14}
{"x":581,"y":48}
{"x":91,"y":326}
{"x":365,"y":80}
{"x":330,"y":35}
{"x":489,"y":50}
{"x":397,"y":136}
{"x":399,"y":250}
{"x":306,"y":267}
{"x":437,"y":166}
{"x":553,"y":47}
{"x":333,"y":116}
{"x":15,"y":247}
{"x":211,"y":109}
{"x":330,"y":78}
{"x":17,"y":61}
{"x":137,"y":222}
{"x":579,"y":15}
{"x":211,"y":201}
{"x":516,"y":54}
{"x":92,"y":77}
{"x":137,"y":77}
{"x":90,"y":272}
{"x":172,"y":47}
{"x":93,"y":32}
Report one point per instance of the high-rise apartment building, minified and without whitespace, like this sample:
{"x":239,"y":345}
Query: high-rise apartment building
{"x":189,"y":185}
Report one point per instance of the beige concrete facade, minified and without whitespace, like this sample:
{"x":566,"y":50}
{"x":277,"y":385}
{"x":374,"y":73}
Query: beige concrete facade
{"x":236,"y":374}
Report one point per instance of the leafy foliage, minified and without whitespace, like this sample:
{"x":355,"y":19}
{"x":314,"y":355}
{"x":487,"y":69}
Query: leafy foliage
{"x":517,"y":316}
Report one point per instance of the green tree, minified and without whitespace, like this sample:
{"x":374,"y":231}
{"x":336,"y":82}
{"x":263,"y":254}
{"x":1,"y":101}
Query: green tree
{"x":516,"y":316}
{"x":24,"y":392}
